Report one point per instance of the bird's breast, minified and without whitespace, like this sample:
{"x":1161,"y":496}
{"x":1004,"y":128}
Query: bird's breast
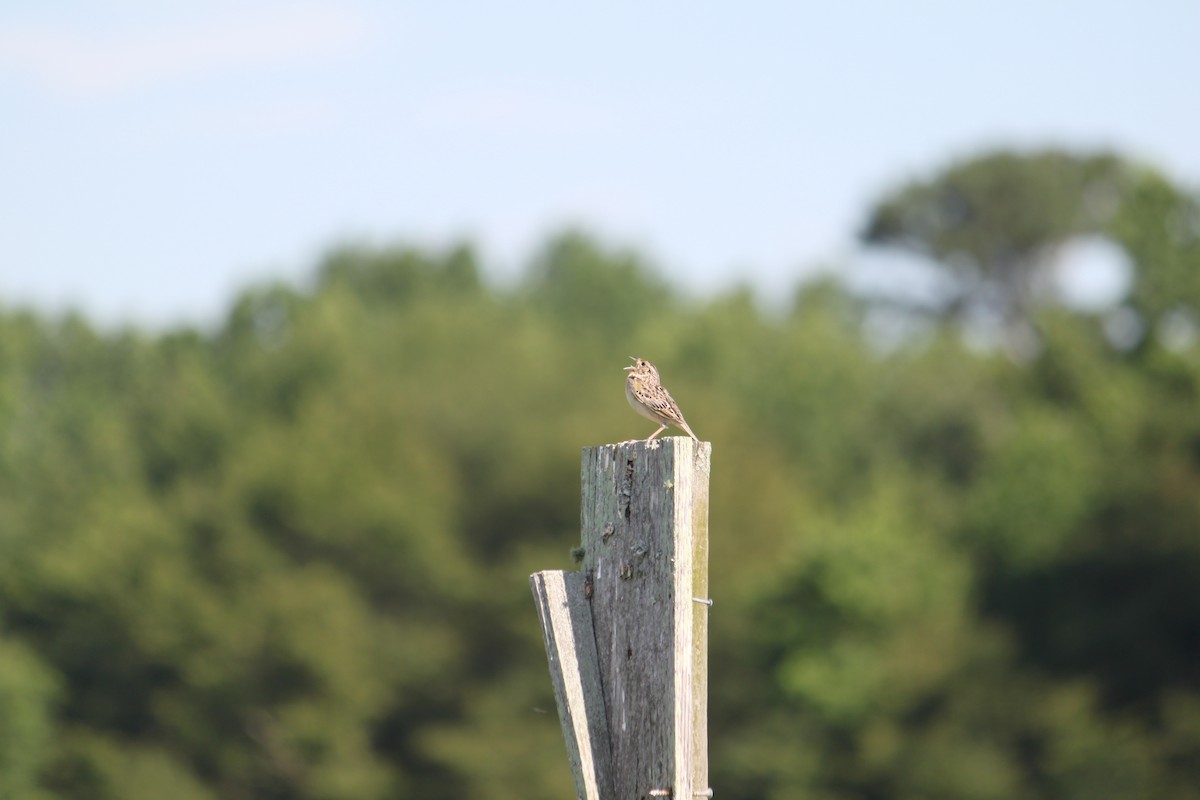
{"x":638,"y":406}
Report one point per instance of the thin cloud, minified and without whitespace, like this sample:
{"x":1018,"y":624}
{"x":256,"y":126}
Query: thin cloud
{"x":96,"y":65}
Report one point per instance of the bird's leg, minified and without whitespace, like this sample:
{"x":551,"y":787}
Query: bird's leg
{"x":657,"y":432}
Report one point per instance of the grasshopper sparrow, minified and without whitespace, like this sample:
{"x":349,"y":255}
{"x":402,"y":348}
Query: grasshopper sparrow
{"x":650,"y":398}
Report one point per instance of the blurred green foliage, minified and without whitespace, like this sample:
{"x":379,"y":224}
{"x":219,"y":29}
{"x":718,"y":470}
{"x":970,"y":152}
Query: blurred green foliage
{"x":288,"y":558}
{"x":995,"y":221}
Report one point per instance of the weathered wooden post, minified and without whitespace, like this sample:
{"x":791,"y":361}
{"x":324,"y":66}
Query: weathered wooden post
{"x":627,"y":636}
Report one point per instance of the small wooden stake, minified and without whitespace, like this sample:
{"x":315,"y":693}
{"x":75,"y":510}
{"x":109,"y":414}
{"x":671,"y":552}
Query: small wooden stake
{"x":571,"y":650}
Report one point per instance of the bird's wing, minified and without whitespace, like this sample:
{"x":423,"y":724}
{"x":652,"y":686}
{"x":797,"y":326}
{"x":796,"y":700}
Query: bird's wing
{"x":662,"y":402}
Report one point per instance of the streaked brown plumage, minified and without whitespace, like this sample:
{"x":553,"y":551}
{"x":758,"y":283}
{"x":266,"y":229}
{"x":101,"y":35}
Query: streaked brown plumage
{"x":647,"y":395}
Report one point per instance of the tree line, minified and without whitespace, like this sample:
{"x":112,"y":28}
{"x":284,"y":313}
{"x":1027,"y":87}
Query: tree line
{"x":288,"y":557}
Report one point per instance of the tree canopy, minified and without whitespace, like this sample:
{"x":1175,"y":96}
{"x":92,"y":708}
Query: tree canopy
{"x":288,"y":558}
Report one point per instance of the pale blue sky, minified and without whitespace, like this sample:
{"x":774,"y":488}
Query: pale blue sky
{"x":158,"y":157}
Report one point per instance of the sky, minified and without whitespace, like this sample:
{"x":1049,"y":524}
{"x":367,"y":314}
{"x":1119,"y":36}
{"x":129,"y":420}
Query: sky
{"x":159,"y":158}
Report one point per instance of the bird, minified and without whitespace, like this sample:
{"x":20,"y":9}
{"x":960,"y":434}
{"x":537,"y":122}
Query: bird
{"x":647,"y":395}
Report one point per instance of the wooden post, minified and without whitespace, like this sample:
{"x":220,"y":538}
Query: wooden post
{"x":644,"y":579}
{"x":562,"y":601}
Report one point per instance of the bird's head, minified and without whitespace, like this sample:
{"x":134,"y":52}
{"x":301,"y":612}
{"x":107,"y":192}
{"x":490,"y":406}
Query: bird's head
{"x":640,"y":366}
